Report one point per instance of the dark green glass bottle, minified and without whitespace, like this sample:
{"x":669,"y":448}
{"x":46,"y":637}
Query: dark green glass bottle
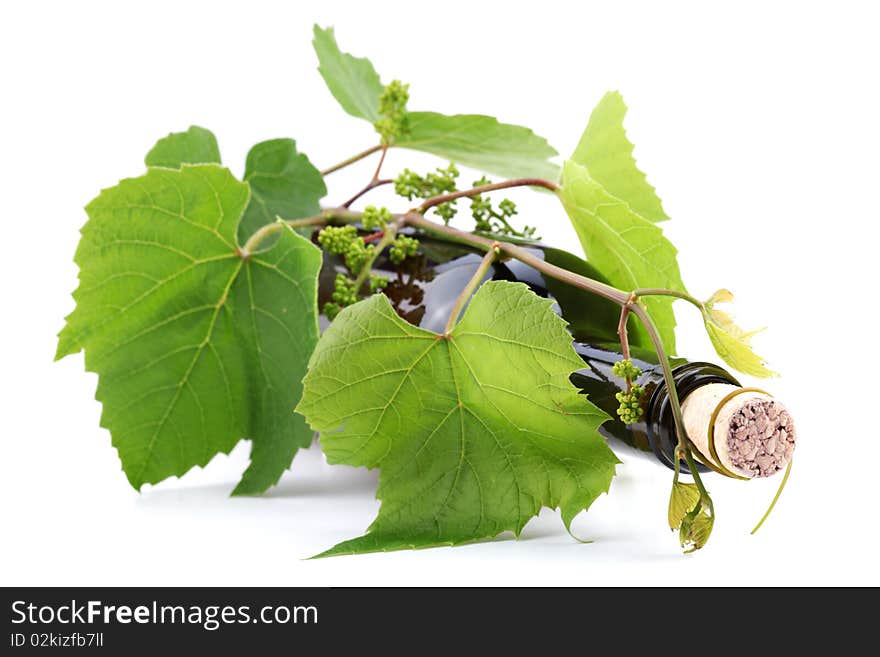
{"x":423,"y":290}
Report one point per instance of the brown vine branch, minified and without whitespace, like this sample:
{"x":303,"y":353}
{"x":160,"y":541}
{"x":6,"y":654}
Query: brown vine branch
{"x":518,"y":182}
{"x":624,"y":336}
{"x":622,"y":332}
{"x":381,"y":162}
{"x":519,"y":253}
{"x":373,"y":184}
{"x":354,"y":158}
{"x":648,"y":292}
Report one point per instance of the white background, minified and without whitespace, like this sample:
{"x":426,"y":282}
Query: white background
{"x":758,"y":124}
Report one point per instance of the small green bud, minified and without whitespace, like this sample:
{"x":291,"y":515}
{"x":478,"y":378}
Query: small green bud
{"x":337,"y":239}
{"x":507,"y":207}
{"x":630,"y":408}
{"x":331,"y":310}
{"x":402,"y":247}
{"x":358,"y":254}
{"x":392,"y":108}
{"x":344,"y":293}
{"x":626,"y":369}
{"x":374,"y":217}
{"x":377,"y":283}
{"x":408,"y":184}
{"x":446,"y":211}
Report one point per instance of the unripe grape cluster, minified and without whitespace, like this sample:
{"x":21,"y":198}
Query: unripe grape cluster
{"x":411,"y":185}
{"x":344,"y":294}
{"x":344,"y":241}
{"x":630,"y":409}
{"x":402,"y":247}
{"x":392,"y":108}
{"x":359,"y":256}
{"x":626,"y":369}
{"x":374,"y":217}
{"x":378,"y":283}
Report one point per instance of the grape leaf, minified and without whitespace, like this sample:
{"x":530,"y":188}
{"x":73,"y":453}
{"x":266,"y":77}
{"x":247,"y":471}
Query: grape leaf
{"x":696,"y":527}
{"x":481,"y":142}
{"x":353,"y":81}
{"x":472,"y":432}
{"x":731,"y":342}
{"x":630,"y":251}
{"x":195,"y":146}
{"x":473,"y":140}
{"x":194,"y":347}
{"x":607,"y":153}
{"x":284,"y":184}
{"x":682,"y":500}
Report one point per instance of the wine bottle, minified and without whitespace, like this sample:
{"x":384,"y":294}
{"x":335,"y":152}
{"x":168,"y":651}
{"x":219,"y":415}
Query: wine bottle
{"x":739,"y":432}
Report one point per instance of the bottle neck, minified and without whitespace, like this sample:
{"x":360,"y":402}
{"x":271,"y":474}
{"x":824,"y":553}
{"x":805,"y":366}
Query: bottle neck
{"x":655,"y":431}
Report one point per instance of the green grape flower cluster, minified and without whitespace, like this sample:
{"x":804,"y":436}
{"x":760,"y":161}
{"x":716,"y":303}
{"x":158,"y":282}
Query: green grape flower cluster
{"x":402,"y":247}
{"x":392,"y":107}
{"x":344,"y":294}
{"x":374,"y":217}
{"x":344,"y":241}
{"x":491,"y":220}
{"x":626,"y":369}
{"x":378,"y":283}
{"x":630,"y":409}
{"x":411,"y":185}
{"x":336,"y":239}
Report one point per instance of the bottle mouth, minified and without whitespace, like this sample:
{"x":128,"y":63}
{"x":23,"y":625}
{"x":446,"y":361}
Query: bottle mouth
{"x":742,"y":432}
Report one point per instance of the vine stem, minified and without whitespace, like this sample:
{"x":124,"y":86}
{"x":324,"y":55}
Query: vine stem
{"x":373,"y":184}
{"x":468,"y":290}
{"x":682,"y":448}
{"x":775,"y":498}
{"x":354,"y":158}
{"x":517,"y":182}
{"x":388,"y":236}
{"x":375,"y":181}
{"x":650,"y":292}
{"x":525,"y":256}
{"x":624,"y":336}
{"x":381,"y":162}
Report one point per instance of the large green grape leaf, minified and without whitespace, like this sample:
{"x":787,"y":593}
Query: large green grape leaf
{"x":473,"y":140}
{"x":472,"y":432}
{"x":481,"y":142}
{"x":195,"y":348}
{"x":194,"y":146}
{"x":284,"y":183}
{"x":607,"y":153}
{"x":629,"y":250}
{"x":353,"y":81}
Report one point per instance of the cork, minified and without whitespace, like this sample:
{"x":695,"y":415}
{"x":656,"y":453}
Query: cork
{"x":754,"y":435}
